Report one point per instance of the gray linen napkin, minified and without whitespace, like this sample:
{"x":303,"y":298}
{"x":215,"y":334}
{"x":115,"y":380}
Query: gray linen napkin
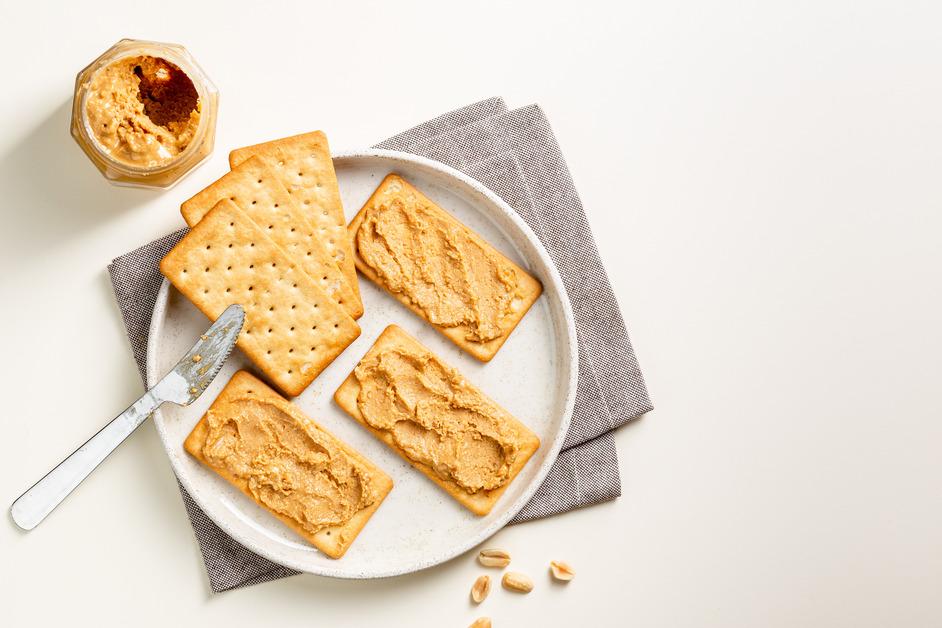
{"x":516,"y":155}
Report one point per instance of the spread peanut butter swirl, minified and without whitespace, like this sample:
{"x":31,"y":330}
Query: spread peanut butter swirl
{"x":438,"y":266}
{"x":437,"y":418}
{"x":297,"y":471}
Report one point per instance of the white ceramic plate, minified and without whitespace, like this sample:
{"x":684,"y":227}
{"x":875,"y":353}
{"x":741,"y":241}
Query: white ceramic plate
{"x":418,"y":525}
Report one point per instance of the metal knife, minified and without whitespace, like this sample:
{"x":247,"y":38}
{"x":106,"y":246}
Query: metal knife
{"x":182,"y":386}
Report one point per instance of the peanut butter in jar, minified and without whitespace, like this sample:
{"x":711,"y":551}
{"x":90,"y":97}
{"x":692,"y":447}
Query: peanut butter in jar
{"x":144,"y":113}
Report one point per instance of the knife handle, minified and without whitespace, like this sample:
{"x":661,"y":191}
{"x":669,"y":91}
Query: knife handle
{"x":32,"y":506}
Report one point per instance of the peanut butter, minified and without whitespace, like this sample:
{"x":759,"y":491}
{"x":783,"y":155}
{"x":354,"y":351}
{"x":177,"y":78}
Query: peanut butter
{"x":142,"y":110}
{"x":296,"y":470}
{"x":437,"y":418}
{"x":437,"y":264}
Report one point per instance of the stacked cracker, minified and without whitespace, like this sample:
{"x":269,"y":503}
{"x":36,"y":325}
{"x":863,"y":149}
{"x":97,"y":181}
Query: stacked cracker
{"x":270,"y":234}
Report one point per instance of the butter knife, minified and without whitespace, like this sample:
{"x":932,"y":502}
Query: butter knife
{"x":183,"y":385}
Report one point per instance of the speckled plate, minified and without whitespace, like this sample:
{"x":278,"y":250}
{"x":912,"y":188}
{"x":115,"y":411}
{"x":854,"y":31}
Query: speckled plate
{"x":419,"y":525}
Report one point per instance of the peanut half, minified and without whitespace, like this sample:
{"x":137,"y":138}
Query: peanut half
{"x":481,"y":622}
{"x":562,"y":571}
{"x":494,"y":558}
{"x":482,"y":586}
{"x":517,"y":582}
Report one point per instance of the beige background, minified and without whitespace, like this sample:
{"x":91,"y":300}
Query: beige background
{"x":764,"y":187}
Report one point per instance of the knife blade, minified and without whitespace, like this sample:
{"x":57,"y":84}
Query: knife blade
{"x":182,"y":386}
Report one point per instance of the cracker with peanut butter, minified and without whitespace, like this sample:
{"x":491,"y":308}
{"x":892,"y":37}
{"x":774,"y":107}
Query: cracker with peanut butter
{"x":306,"y":169}
{"x":440,"y":269}
{"x":310,"y":480}
{"x":437,"y":420}
{"x":258,"y":192}
{"x":293,"y":330}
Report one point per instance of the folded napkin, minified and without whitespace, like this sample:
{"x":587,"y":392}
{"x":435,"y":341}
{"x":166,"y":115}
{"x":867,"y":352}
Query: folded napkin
{"x":515,"y":154}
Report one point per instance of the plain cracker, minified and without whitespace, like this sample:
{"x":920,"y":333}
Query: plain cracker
{"x":304,"y":164}
{"x":529,"y":287}
{"x":479,"y":503}
{"x":334,"y":540}
{"x":258,"y":192}
{"x":293,"y":330}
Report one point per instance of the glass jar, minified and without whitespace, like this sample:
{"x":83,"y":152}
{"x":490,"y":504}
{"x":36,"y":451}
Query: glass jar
{"x":150,"y":129}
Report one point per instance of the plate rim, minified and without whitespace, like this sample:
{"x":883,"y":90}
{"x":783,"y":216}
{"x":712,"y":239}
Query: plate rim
{"x":159,"y":314}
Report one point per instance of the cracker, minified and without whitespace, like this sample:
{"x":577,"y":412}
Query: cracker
{"x":394,"y":187}
{"x":333,"y":540}
{"x":257,"y":191}
{"x":293,"y":330}
{"x":481,"y":502}
{"x":304,"y":164}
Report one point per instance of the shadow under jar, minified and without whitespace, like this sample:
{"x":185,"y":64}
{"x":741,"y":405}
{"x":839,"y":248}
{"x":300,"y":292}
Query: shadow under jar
{"x":145,"y":113}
